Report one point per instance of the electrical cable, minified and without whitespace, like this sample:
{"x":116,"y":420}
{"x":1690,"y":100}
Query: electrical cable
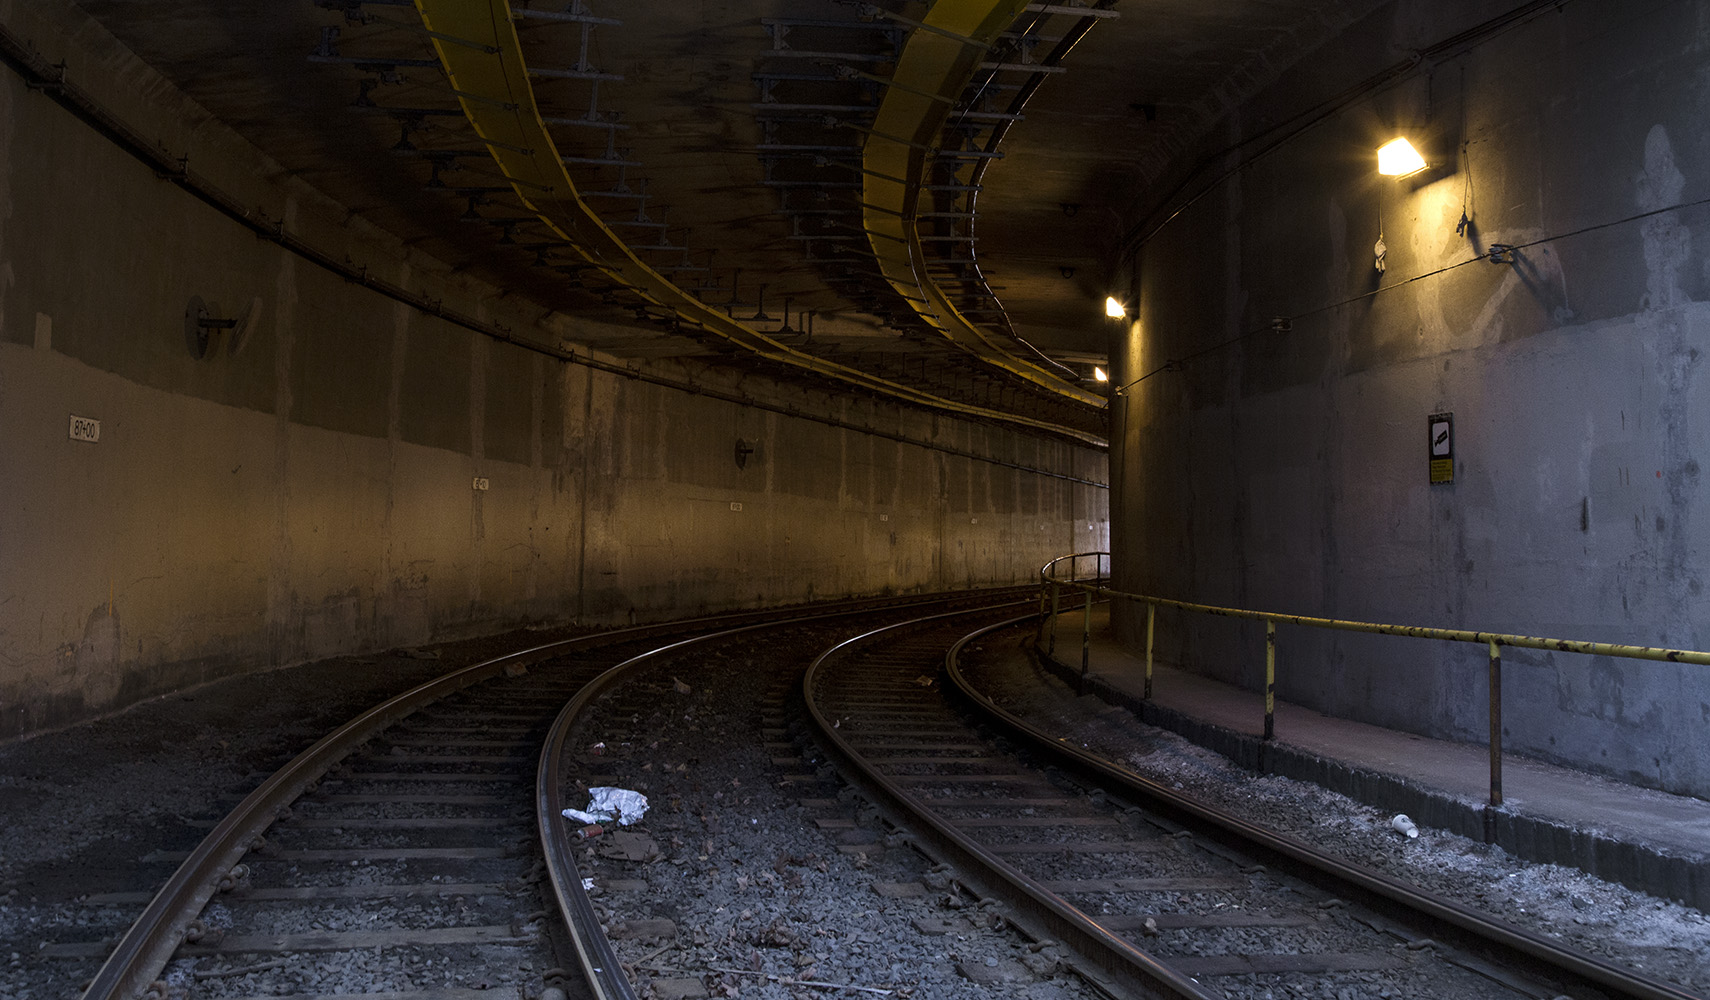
{"x":1140,"y":234}
{"x":25,"y":61}
{"x":1489,"y":256}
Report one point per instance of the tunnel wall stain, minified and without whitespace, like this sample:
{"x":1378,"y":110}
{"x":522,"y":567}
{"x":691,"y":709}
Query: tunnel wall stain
{"x":313,"y":490}
{"x":1288,"y":470}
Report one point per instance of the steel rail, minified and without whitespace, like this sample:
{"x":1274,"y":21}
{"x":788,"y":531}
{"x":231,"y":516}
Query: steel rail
{"x":1106,"y":772}
{"x":600,"y":965}
{"x":1130,"y":966}
{"x":149,"y":943}
{"x":151,"y":940}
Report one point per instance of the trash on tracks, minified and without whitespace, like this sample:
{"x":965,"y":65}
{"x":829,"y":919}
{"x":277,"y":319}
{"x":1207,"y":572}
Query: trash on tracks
{"x":607,"y":804}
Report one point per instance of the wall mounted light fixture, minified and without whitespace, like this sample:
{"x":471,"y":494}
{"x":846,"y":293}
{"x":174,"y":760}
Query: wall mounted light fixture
{"x":1398,"y":158}
{"x":1114,"y":308}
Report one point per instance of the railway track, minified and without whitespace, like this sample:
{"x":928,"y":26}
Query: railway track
{"x":1160,"y":896}
{"x":952,"y":850}
{"x":757,"y":871}
{"x":400,"y":849}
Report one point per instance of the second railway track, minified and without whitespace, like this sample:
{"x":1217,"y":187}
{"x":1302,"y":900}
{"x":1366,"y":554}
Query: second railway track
{"x":404,"y":858}
{"x":396,"y":855}
{"x":1159,"y":895}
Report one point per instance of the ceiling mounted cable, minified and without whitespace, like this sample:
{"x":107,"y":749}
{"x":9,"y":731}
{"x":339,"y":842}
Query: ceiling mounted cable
{"x":481,"y":55}
{"x":941,"y":57}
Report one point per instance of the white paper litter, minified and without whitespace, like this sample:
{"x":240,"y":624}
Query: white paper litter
{"x":607,"y":804}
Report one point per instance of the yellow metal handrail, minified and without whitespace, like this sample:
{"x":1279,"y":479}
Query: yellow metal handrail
{"x":1048,"y":572}
{"x":1494,"y":641}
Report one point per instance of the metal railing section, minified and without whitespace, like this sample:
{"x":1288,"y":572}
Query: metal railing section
{"x":1053,"y":581}
{"x":1097,"y":769}
{"x":1051,"y":576}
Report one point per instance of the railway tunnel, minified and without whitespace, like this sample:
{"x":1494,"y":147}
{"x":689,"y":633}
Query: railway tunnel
{"x":342,"y":327}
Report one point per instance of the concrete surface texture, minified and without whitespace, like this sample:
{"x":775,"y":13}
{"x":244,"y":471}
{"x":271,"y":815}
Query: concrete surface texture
{"x":1283,"y":463}
{"x":1649,"y":840}
{"x":341,"y":472}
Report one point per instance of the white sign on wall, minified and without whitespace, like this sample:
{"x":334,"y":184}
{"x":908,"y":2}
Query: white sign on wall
{"x":85,"y":429}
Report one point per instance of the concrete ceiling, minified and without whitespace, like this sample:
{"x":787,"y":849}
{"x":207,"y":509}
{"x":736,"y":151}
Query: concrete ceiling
{"x":723,"y":142}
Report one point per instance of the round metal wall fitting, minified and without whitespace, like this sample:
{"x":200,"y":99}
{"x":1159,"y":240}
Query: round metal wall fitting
{"x":197,"y":336}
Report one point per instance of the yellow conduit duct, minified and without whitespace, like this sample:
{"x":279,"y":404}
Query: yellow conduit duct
{"x":934,"y":69}
{"x":478,"y":48}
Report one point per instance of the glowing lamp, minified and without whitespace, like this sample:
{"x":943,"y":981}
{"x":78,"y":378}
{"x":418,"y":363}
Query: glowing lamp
{"x":1100,"y":375}
{"x":1398,"y":158}
{"x":1114,"y":308}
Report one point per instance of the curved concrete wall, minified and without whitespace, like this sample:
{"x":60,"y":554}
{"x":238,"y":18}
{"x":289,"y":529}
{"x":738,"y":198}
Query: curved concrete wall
{"x":1287,"y":469}
{"x":309,"y":488}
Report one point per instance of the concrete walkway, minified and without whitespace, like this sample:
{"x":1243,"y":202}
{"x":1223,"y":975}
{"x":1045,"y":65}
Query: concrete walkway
{"x":1647,"y":839}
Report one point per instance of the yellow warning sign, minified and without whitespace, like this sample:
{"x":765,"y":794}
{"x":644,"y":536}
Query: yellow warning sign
{"x":1442,"y":447}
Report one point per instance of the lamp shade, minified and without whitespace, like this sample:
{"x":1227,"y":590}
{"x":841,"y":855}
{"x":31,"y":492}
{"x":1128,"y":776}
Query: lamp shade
{"x":1398,"y":158}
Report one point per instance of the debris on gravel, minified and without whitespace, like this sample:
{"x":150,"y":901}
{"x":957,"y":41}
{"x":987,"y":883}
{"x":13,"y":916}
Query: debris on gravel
{"x":110,"y":805}
{"x":767,"y":881}
{"x":1663,"y":939}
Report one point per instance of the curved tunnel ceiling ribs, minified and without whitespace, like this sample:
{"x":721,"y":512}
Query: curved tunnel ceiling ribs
{"x":481,"y":54}
{"x":924,"y":138}
{"x":757,"y":121}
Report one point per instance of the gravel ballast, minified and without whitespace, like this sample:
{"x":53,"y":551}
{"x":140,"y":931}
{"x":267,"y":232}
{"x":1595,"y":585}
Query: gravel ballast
{"x":1663,"y":939}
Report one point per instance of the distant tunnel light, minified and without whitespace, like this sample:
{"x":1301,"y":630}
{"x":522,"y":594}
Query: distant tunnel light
{"x":1100,"y":375}
{"x":1114,"y":308}
{"x":1398,"y":158}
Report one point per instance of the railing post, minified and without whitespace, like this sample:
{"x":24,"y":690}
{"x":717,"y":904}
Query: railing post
{"x":1039,"y":633}
{"x":1151,"y":621}
{"x":1056,"y":597}
{"x":1495,"y":739}
{"x":1270,"y":678}
{"x":1086,"y":640}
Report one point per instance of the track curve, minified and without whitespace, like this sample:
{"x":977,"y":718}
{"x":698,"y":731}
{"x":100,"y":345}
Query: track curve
{"x":1059,"y":870}
{"x":538,"y":681}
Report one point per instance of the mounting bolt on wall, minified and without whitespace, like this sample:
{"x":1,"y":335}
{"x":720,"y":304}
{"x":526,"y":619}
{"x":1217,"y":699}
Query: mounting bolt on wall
{"x":202,"y":325}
